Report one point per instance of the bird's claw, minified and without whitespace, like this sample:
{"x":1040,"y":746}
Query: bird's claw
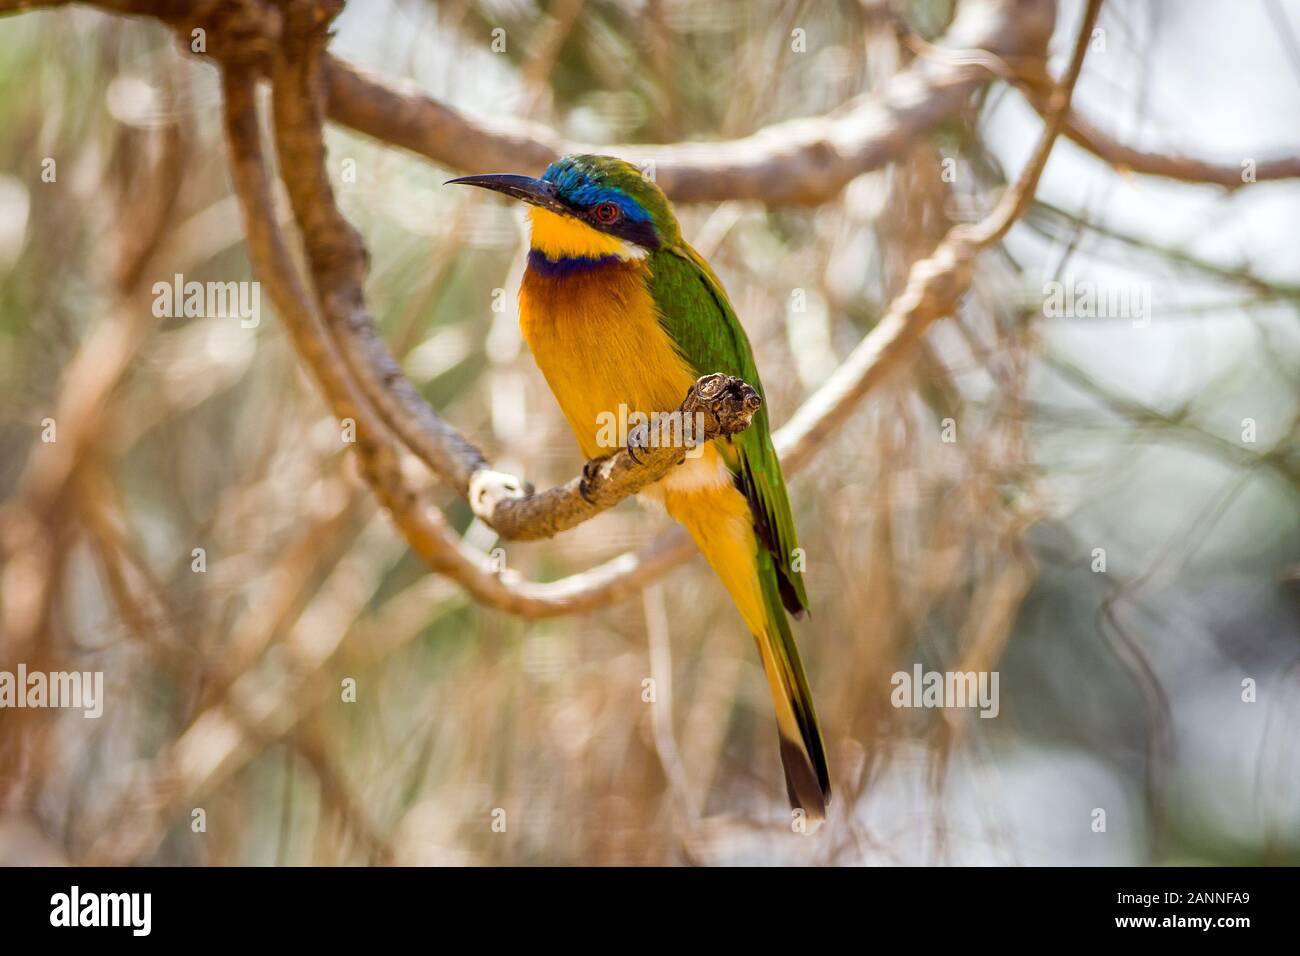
{"x":589,"y":470}
{"x":638,"y":438}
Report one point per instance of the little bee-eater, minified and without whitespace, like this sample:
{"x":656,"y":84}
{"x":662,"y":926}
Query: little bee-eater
{"x":620,"y":312}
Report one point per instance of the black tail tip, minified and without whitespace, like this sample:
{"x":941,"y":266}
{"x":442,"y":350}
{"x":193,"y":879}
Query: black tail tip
{"x":809,"y":788}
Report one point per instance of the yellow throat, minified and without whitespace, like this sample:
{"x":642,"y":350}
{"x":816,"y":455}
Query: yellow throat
{"x":563,"y":237}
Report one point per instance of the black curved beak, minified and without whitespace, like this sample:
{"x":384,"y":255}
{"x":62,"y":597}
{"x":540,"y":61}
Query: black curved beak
{"x":537,"y":192}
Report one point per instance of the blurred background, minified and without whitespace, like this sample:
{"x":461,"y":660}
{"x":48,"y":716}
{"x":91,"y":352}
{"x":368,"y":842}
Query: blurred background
{"x":1101,"y":509}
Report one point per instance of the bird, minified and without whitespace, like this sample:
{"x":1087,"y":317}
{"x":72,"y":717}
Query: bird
{"x":620,"y":312}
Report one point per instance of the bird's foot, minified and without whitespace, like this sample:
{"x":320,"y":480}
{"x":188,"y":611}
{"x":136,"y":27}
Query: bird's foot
{"x":589,"y":471}
{"x":638,"y":439}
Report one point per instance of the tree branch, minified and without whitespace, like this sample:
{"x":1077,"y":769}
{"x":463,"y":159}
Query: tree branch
{"x":796,"y":161}
{"x":1030,"y":76}
{"x":801,"y":161}
{"x":934,"y":287}
{"x":1186,"y":169}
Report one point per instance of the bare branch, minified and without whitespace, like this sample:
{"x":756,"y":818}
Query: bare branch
{"x":338,"y":258}
{"x":1016,"y":200}
{"x":801,"y":161}
{"x":1029,"y":75}
{"x":797,"y":161}
{"x":1185,"y":169}
{"x":934,"y":287}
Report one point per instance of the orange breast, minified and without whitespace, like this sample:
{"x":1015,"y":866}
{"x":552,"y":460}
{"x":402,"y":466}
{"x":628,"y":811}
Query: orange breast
{"x":595,"y":337}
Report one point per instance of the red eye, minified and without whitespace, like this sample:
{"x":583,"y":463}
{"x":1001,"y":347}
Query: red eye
{"x":607,"y":212}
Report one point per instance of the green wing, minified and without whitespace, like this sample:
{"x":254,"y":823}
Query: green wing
{"x":697,"y":315}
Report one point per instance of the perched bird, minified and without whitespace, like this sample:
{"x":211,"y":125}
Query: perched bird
{"x":619,"y":310}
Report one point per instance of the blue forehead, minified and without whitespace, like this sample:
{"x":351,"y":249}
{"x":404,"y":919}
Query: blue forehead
{"x":575,"y":184}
